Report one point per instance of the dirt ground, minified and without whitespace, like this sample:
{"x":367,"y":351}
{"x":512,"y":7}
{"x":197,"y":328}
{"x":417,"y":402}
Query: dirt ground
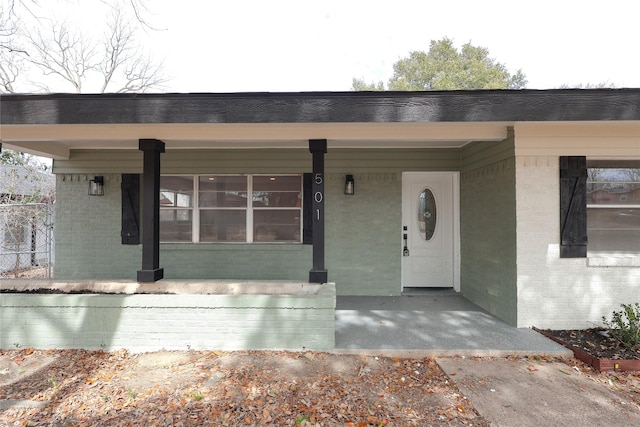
{"x":92,"y":388}
{"x":26,"y":273}
{"x":597,"y":342}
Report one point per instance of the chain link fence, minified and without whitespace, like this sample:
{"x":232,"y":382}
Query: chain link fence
{"x":26,"y":241}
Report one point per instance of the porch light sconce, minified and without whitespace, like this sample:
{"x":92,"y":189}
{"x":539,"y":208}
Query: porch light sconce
{"x":349,"y":186}
{"x":96,"y":186}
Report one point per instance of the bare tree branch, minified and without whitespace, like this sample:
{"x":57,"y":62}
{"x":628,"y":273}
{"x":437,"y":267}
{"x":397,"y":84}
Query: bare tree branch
{"x":117,"y":48}
{"x":139,"y":8}
{"x":10,"y":68}
{"x":125,"y":62}
{"x":117,"y":60}
{"x":64,"y":53}
{"x":8,"y":27}
{"x":11,"y":53}
{"x":143,"y":75}
{"x":115,"y":63}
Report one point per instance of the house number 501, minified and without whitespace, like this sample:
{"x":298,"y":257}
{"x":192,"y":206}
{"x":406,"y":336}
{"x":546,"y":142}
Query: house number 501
{"x":318,"y":196}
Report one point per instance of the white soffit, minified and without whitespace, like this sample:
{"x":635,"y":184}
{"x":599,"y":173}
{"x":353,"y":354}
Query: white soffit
{"x":57,"y":140}
{"x":605,"y":140}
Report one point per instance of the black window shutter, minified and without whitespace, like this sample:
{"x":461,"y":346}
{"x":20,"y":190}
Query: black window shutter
{"x":573,"y":207}
{"x":307,"y":223}
{"x":130,"y":209}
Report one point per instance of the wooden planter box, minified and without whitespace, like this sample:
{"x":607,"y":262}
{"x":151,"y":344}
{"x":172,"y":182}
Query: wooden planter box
{"x":150,"y":322}
{"x":599,"y":364}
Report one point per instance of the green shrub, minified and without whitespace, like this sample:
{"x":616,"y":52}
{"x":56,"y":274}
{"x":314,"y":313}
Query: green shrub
{"x":625,"y":325}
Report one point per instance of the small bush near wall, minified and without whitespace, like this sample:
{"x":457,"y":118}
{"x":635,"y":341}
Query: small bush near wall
{"x":625,"y":325}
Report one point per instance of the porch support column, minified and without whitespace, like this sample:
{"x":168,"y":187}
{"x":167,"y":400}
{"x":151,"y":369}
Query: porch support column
{"x":318,"y":147}
{"x":151,"y":270}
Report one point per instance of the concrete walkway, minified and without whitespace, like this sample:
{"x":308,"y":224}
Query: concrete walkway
{"x":431,"y":323}
{"x":524,"y":393}
{"x":506,"y":392}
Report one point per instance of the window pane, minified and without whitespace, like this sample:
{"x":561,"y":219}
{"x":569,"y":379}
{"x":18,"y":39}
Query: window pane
{"x":223,"y":225}
{"x":613,"y":230}
{"x":427,"y":214}
{"x":272,"y":225}
{"x":175,"y":225}
{"x":612,"y":194}
{"x":611,"y":225}
{"x":223,"y":191}
{"x":277,"y":191}
{"x":613,"y":186}
{"x":176,"y":191}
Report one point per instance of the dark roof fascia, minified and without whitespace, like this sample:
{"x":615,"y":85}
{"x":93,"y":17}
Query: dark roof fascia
{"x":324,"y":107}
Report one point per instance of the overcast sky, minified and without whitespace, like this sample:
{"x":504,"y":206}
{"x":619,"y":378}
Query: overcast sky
{"x":299,"y":45}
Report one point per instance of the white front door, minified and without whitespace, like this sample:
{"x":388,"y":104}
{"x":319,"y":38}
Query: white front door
{"x":429,"y":225}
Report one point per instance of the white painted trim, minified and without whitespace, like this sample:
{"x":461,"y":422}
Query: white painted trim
{"x":456,"y":231}
{"x":611,"y":260}
{"x":249,"y":215}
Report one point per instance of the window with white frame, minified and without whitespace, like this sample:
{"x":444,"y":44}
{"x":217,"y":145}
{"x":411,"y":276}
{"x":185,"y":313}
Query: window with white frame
{"x":231,"y":208}
{"x":613,"y":207}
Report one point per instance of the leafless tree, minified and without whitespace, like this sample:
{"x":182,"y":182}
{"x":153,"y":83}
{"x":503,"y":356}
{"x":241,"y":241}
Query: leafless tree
{"x":10,"y":49}
{"x":116,"y":62}
{"x":10,"y":68}
{"x":7,"y":26}
{"x":593,"y":176}
{"x":62,"y":52}
{"x":27,"y":191}
{"x":121,"y":54}
{"x":139,"y":9}
{"x":632,"y":175}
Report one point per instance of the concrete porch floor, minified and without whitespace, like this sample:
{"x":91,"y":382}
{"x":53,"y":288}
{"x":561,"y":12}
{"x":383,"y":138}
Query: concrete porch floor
{"x":431,"y":322}
{"x":421,"y":323}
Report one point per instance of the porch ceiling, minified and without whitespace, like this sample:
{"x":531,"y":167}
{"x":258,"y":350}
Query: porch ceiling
{"x":56,"y":141}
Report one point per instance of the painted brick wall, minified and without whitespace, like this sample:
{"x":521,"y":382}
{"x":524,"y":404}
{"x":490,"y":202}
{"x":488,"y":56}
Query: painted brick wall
{"x":171,"y":322}
{"x":487,"y":235}
{"x":87,"y":231}
{"x":220,"y":261}
{"x":363,"y":233}
{"x":360,"y":227}
{"x":553,"y":292}
{"x":88,"y":244}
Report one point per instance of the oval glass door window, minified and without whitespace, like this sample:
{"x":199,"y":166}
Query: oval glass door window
{"x":427,"y":214}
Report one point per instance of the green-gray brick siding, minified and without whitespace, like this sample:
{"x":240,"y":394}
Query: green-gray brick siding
{"x":172,"y":322}
{"x":488,"y":228}
{"x":362,"y":231}
{"x":87,"y":231}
